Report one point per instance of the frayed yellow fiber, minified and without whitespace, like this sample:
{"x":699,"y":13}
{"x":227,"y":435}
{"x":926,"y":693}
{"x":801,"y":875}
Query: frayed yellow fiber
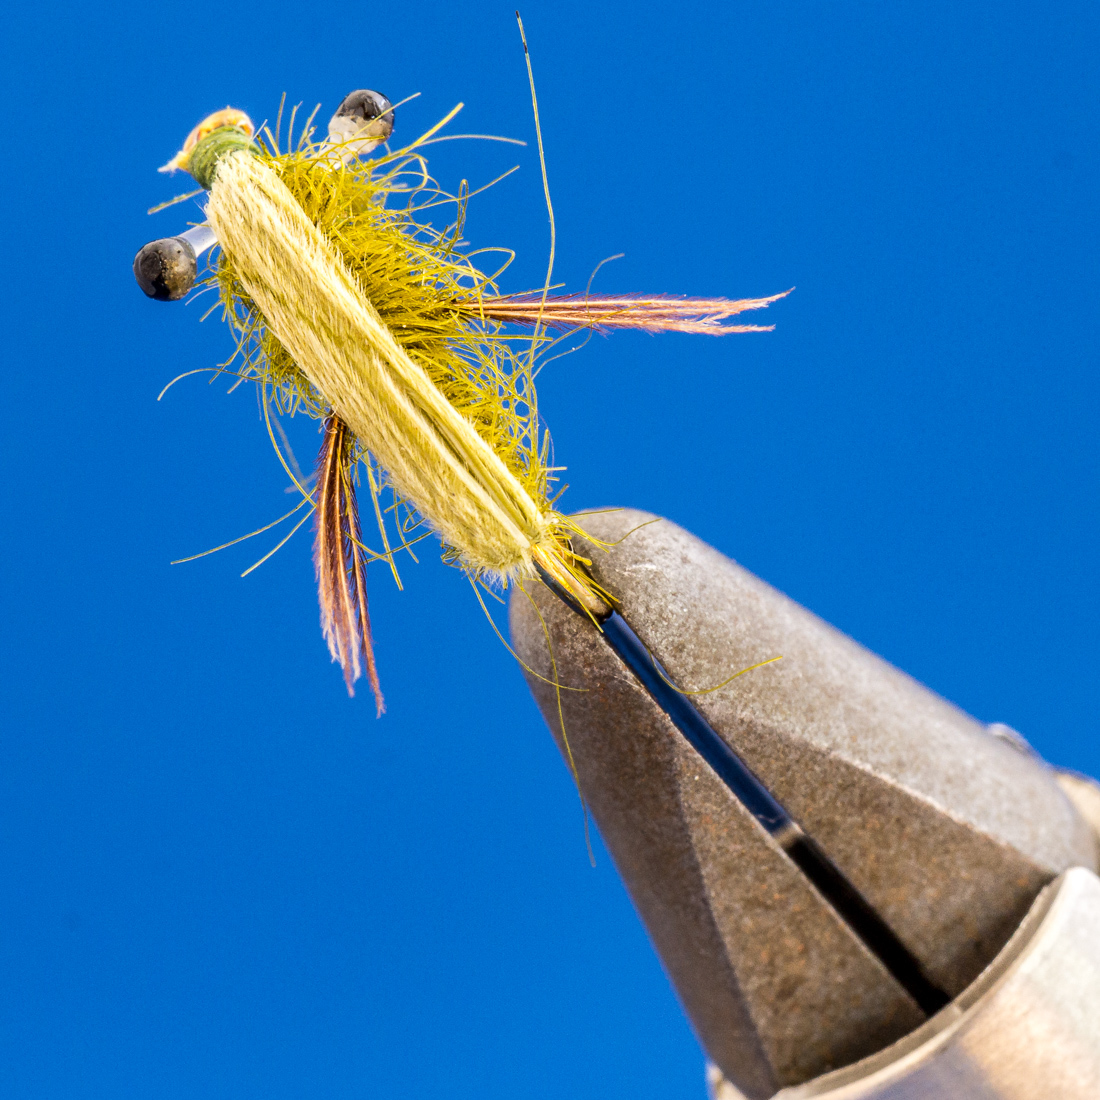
{"x":344,"y":304}
{"x":433,"y":454}
{"x":349,"y":306}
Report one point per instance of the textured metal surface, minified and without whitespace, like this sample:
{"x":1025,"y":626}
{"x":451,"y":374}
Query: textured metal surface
{"x":948,"y":831}
{"x":1029,"y":1028}
{"x":1084,"y":793}
{"x":778,"y":989}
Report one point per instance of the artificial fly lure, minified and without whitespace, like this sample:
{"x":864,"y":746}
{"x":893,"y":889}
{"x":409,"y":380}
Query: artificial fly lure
{"x":348,"y":306}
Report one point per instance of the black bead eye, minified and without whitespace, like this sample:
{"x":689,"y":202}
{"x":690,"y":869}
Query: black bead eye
{"x":165,"y":269}
{"x":364,"y":116}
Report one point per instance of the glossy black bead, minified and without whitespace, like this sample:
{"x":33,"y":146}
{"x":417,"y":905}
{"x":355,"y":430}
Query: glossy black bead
{"x":166,"y":269}
{"x":363,"y":105}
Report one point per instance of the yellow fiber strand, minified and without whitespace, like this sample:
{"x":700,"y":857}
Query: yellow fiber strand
{"x":432,"y":454}
{"x":347,"y":306}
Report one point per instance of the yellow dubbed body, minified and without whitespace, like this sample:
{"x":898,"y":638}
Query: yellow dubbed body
{"x":348,"y":305}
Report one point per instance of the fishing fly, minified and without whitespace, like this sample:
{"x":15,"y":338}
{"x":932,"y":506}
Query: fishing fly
{"x":348,"y":305}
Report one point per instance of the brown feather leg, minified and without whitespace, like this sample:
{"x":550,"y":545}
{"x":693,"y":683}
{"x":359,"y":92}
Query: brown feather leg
{"x":340,"y":561}
{"x":604,"y":312}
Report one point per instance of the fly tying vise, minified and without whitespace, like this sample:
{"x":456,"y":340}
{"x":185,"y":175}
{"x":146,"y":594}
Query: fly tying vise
{"x":346,"y":306}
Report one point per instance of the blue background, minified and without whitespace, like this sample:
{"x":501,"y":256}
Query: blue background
{"x":219,"y":877}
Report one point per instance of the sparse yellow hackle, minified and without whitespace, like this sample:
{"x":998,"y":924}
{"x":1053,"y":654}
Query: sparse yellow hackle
{"x":349,"y":305}
{"x":345,"y":303}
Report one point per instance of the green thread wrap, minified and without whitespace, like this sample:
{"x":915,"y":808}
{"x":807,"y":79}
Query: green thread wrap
{"x":205,"y":157}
